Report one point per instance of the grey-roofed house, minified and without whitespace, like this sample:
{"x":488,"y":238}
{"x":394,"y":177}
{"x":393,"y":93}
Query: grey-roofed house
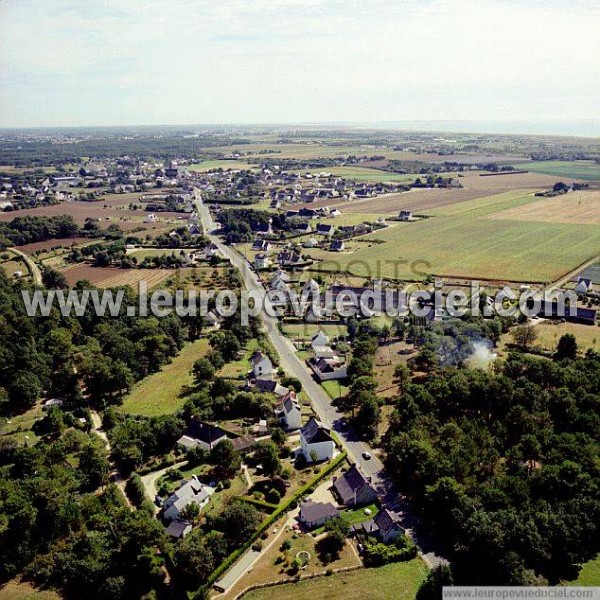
{"x":199,"y":433}
{"x":315,"y":514}
{"x":289,"y":411}
{"x":353,"y":488}
{"x":261,"y":365}
{"x":316,"y":439}
{"x":179,"y":529}
{"x":244,"y":443}
{"x":584,"y":285}
{"x":385,"y":526}
{"x":268,"y":386}
{"x":191,"y":492}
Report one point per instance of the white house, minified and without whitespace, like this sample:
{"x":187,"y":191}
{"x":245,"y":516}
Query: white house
{"x":584,"y":285}
{"x":151,"y":218}
{"x":316,"y":439}
{"x":261,"y":365}
{"x":319,"y":339}
{"x":289,"y":412}
{"x":210,"y":251}
{"x":261,"y":261}
{"x":324,"y":352}
{"x":199,"y":433}
{"x":280,"y":277}
{"x":191,"y":492}
{"x":311,"y":289}
{"x":405,"y":215}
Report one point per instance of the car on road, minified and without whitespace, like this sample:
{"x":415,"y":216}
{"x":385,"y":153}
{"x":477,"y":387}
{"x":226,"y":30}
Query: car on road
{"x":366,"y":455}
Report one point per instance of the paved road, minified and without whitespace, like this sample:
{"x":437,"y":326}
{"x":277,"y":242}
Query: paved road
{"x":320,"y":400}
{"x":290,"y":362}
{"x":36,"y":274}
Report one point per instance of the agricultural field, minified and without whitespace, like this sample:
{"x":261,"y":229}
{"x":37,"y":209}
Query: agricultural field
{"x":588,"y":336}
{"x":47,"y":246}
{"x":396,"y":581}
{"x":108,"y":210}
{"x":472,"y":248}
{"x":478,"y":180}
{"x":209,"y":165}
{"x":418,"y":201}
{"x":113,"y":276}
{"x":159,"y":394}
{"x":359,"y":173}
{"x":318,"y":149}
{"x":592,"y":272}
{"x":575,"y":207}
{"x":490,"y":205}
{"x":576,"y":169}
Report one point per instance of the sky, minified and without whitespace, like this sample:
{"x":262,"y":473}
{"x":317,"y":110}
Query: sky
{"x":150,"y":62}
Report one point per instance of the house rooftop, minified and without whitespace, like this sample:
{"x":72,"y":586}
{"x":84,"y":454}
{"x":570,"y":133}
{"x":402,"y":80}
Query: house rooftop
{"x":351,"y":482}
{"x":314,"y":432}
{"x":205,"y":432}
{"x":315,"y":511}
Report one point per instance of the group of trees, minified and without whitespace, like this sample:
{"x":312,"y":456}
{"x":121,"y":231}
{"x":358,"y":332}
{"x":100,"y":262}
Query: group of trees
{"x":361,"y":396}
{"x":503,"y":465}
{"x":87,"y":360}
{"x":59,"y":529}
{"x":25,"y":230}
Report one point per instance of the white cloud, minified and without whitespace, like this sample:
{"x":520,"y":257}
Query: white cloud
{"x":126,"y":61}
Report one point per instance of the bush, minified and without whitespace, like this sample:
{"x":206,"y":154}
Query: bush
{"x":273,"y":496}
{"x":377,"y":554}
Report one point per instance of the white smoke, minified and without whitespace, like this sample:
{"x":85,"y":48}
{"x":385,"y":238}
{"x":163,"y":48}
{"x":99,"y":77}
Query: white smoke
{"x":482,"y":356}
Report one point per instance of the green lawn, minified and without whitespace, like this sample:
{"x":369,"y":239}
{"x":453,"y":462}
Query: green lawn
{"x":462,"y":246}
{"x":305,"y":331}
{"x":159,"y":393}
{"x":357,"y":515}
{"x":576,"y":169}
{"x":335,"y":388}
{"x":233,"y":370}
{"x":589,"y":574}
{"x":398,"y":581}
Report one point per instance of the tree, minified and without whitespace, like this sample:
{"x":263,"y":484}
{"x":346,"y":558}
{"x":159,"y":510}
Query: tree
{"x":203,"y":371}
{"x":524,"y":335}
{"x":238,"y":521}
{"x":267,"y":455}
{"x":402,"y":376}
{"x":278,"y":437}
{"x":367,"y":419}
{"x":437,"y":578}
{"x":190,"y":512}
{"x":331,"y":545}
{"x":54,"y":280}
{"x":566,"y":348}
{"x":226,"y":459}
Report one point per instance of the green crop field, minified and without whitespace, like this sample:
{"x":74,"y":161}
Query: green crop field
{"x":480,"y":207}
{"x":473,"y":248}
{"x":207,"y":165}
{"x":575,"y":169}
{"x":366,"y":174}
{"x":397,"y":581}
{"x":159,"y":393}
